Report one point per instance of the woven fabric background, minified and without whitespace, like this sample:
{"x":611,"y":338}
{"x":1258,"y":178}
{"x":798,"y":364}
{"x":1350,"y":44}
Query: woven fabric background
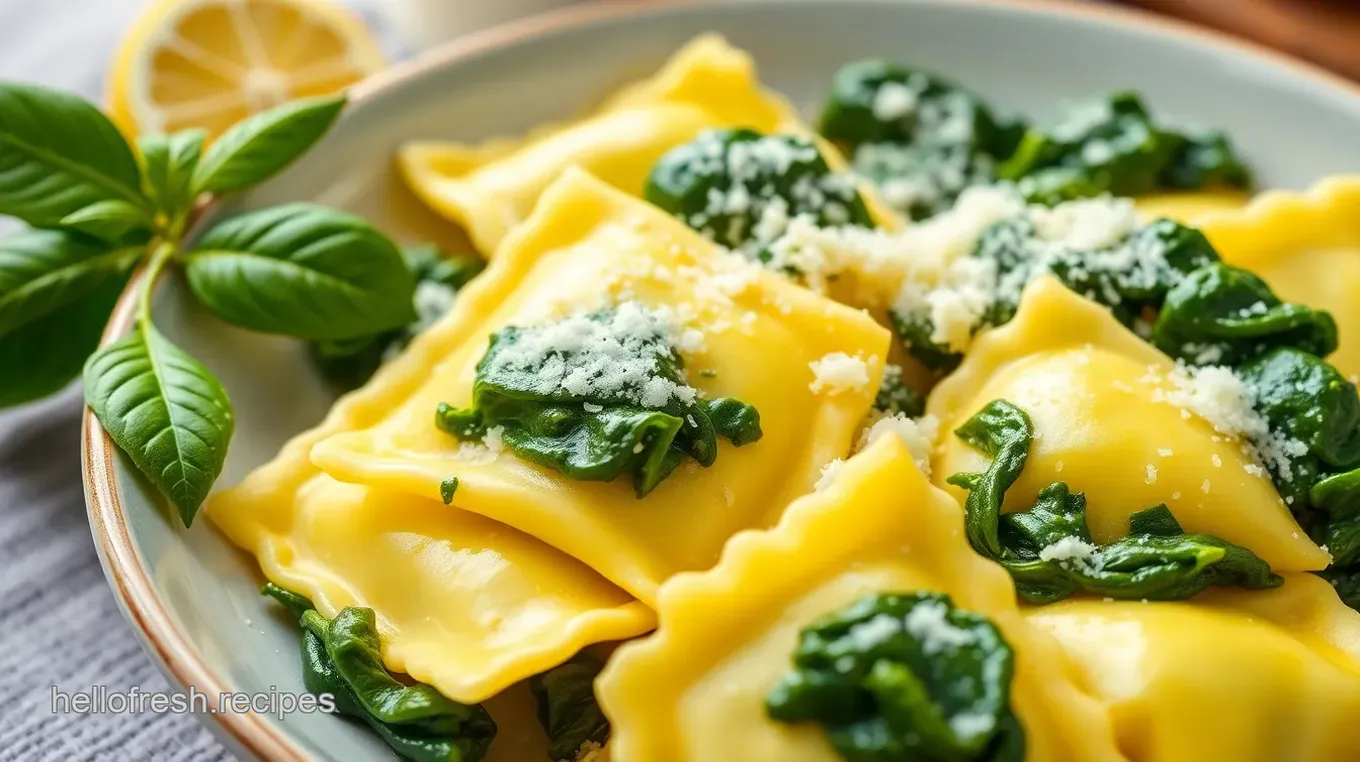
{"x":59,"y":625}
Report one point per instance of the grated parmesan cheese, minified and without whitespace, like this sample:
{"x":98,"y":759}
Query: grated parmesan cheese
{"x":829,"y":474}
{"x":1069,"y":548}
{"x":894,"y":101}
{"x":927,"y":623}
{"x":838,"y":372}
{"x":918,"y":435}
{"x":617,"y":357}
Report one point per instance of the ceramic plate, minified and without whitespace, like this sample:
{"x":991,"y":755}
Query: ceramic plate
{"x":193,"y":597}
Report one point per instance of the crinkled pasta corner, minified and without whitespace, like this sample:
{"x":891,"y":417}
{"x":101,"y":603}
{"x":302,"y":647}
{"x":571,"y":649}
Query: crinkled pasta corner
{"x":1095,"y":393}
{"x":1307,"y":247}
{"x":1248,"y":676}
{"x":587,"y":245}
{"x":491,"y":187}
{"x":462,"y":603}
{"x":696,"y":688}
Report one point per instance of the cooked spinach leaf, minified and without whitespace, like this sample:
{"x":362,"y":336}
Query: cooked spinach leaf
{"x":1204,"y":159}
{"x":567,"y":708}
{"x":1111,"y":144}
{"x":923,"y":139}
{"x":896,"y":398}
{"x":876,"y":101}
{"x":1048,"y":548}
{"x":341,"y":657}
{"x":349,"y":363}
{"x":1225,"y":315}
{"x":595,"y":396}
{"x":921,"y":181}
{"x":898,"y":676}
{"x":1131,"y":275}
{"x":1312,"y":449}
{"x":740,"y":188}
{"x":447,"y":488}
{"x":919,"y":137}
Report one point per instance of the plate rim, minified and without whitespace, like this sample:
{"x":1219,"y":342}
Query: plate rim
{"x":122,"y":563}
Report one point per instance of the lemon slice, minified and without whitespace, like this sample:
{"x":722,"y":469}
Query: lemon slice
{"x":210,"y":63}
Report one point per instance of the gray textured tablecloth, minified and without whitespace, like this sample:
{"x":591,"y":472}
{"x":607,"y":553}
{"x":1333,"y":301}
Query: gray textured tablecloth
{"x":59,"y":625}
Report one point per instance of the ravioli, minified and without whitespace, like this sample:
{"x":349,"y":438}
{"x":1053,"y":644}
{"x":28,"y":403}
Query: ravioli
{"x":585,"y":246}
{"x":1307,"y":248}
{"x":1090,"y":387}
{"x":462,"y":603}
{"x":490,"y":188}
{"x":1248,"y":676}
{"x":695,"y":689}
{"x":1189,"y":207}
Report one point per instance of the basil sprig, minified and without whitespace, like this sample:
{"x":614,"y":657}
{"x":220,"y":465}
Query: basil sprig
{"x":100,"y":208}
{"x":1048,"y":548}
{"x":342,"y":657}
{"x":904,"y":676}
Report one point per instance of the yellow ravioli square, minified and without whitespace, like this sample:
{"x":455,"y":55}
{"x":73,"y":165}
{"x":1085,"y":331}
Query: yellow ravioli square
{"x":1241,"y":675}
{"x":461,"y":602}
{"x":491,"y":187}
{"x":694,"y":690}
{"x":588,"y":246}
{"x":1090,"y":386}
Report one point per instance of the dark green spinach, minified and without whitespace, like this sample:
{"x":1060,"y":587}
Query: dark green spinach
{"x":1048,"y":548}
{"x":904,"y":676}
{"x":921,"y":138}
{"x":567,"y":708}
{"x":1131,"y":276}
{"x":740,"y":188}
{"x":349,"y":363}
{"x":1224,"y":315}
{"x":1204,"y":159}
{"x":596,"y":396}
{"x":342,"y":658}
{"x":1111,"y":144}
{"x":896,"y":398}
{"x":1312,"y":449}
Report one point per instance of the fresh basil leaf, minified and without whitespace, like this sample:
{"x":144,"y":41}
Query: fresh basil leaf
{"x":883,"y":690}
{"x":58,"y":155}
{"x":302,"y":270}
{"x":169,"y":162}
{"x":258,"y":147}
{"x":43,"y":270}
{"x":166,"y":411}
{"x":48,"y":353}
{"x":110,"y":220}
{"x":349,"y":363}
{"x":567,"y":708}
